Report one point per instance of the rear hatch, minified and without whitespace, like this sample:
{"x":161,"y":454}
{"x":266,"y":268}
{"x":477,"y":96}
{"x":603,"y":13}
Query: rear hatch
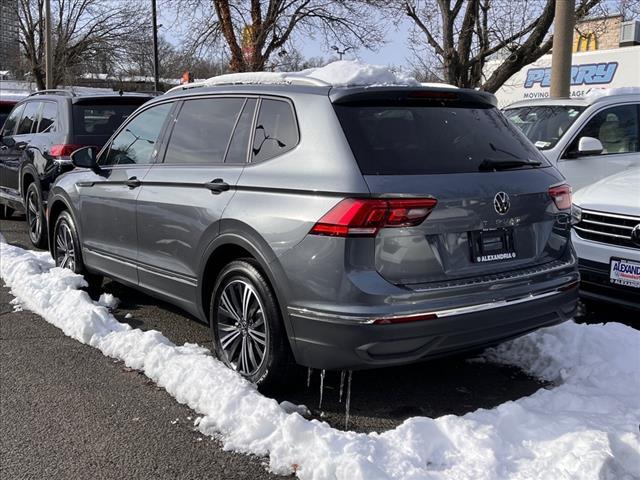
{"x":494,"y":211}
{"x":96,"y":118}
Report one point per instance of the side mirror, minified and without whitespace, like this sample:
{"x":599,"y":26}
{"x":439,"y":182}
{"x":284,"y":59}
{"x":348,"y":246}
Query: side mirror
{"x":85,"y":157}
{"x":589,"y":146}
{"x":8,"y":141}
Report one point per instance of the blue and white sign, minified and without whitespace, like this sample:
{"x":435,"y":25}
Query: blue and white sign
{"x":625,"y":272}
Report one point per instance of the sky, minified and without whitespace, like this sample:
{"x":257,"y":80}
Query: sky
{"x":394,"y":52}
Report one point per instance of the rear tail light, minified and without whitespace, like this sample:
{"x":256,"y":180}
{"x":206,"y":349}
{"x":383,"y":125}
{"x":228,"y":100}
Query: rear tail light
{"x":63,"y":151}
{"x":365,"y":217}
{"x":561,"y":196}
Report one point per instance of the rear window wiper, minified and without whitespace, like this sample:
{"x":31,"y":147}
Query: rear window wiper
{"x":490,"y":164}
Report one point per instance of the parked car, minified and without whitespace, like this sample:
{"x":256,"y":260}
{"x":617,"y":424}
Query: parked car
{"x":587,"y":138}
{"x":37,"y":139}
{"x":607,"y":239}
{"x":336,"y":228}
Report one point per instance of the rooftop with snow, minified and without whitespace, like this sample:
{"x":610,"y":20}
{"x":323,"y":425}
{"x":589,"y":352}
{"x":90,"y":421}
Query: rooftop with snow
{"x":342,"y":73}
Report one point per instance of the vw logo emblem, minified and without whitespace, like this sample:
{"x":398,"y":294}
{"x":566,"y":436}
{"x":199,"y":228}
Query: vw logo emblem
{"x":501,"y":203}
{"x":635,"y":235}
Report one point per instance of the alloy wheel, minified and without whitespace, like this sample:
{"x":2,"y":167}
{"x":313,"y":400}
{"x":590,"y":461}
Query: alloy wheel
{"x":242,"y":328}
{"x":65,"y":249}
{"x":34,"y":216}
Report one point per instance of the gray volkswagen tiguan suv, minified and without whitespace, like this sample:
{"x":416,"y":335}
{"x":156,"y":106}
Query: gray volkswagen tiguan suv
{"x":336,"y":228}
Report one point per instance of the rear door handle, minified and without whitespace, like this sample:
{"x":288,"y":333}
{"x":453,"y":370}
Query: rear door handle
{"x":217,"y":186}
{"x":133,"y":182}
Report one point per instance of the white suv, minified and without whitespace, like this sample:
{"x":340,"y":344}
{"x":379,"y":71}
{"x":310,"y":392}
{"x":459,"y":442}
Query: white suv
{"x":607,"y":238}
{"x":588,"y":138}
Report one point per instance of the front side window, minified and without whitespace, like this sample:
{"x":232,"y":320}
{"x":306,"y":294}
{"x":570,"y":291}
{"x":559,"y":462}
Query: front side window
{"x":29,"y":118}
{"x":48,"y":118}
{"x":202,"y":130}
{"x":276,"y":130}
{"x":12,"y":120}
{"x":544,"y":125}
{"x":616,"y":128}
{"x":136,"y":142}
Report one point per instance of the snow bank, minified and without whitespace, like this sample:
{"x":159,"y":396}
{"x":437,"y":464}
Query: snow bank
{"x":584,"y":428}
{"x":338,"y":74}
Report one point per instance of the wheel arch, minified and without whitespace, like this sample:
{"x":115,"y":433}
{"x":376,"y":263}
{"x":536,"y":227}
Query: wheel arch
{"x":236,"y":241}
{"x":57,"y":205}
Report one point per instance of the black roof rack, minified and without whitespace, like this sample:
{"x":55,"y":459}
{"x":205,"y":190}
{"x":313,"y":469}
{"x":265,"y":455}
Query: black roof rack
{"x":54,"y":91}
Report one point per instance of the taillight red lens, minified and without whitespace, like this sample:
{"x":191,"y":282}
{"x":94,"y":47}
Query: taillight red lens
{"x":63,"y":150}
{"x":364,"y":217}
{"x":561,"y":196}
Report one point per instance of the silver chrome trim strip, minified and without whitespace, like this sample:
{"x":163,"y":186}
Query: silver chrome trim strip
{"x":586,"y":220}
{"x":597,"y":232}
{"x":370,"y":319}
{"x":607,"y":214}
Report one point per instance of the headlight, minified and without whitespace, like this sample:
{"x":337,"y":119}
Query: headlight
{"x":576,"y":214}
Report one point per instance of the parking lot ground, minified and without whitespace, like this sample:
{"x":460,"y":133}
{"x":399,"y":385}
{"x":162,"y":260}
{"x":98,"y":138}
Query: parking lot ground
{"x":68,"y":411}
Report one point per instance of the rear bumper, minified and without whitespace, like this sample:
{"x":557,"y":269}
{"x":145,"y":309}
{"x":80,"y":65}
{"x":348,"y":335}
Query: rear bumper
{"x":333,"y":341}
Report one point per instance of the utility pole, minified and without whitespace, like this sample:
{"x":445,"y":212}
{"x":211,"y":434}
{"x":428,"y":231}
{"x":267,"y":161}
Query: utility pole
{"x":562,"y":46}
{"x":340,"y":52}
{"x":156,"y":71}
{"x":48,"y":47}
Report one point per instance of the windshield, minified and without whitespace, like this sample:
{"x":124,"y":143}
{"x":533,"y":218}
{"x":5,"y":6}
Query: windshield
{"x":397,"y":138}
{"x":544,"y":125}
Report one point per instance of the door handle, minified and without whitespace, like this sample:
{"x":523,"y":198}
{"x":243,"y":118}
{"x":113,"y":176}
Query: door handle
{"x":217,"y":186}
{"x":133,"y":182}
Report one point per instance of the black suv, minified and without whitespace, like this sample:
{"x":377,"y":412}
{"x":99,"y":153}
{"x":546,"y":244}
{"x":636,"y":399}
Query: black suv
{"x":38,"y":137}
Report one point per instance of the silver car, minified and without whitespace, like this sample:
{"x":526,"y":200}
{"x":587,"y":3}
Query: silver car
{"x":588,"y":139}
{"x":335,"y":228}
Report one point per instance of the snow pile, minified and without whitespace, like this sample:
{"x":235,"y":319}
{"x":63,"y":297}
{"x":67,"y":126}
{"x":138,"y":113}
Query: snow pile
{"x":585,"y":428}
{"x":342,"y":73}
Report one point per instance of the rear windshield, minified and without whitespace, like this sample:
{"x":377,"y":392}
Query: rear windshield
{"x":544,"y":125}
{"x":100,"y":120}
{"x":399,"y":139}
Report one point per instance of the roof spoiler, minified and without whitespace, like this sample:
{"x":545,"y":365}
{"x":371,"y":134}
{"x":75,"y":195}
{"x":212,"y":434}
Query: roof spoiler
{"x":445,"y":93}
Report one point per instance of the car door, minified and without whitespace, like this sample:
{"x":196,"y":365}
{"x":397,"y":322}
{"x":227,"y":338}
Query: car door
{"x":182,"y":199}
{"x":107,"y":199}
{"x":7,"y":149}
{"x":618,"y":129}
{"x":22,"y":137}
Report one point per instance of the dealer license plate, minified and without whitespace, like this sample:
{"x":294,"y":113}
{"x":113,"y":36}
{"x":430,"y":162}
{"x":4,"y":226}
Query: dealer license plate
{"x":625,"y":272}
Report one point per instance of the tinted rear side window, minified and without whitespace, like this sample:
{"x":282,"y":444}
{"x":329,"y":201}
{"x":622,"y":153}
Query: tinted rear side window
{"x":202,"y":131}
{"x":240,"y":141}
{"x":100,"y":120}
{"x":48,"y":118}
{"x":12,"y":120}
{"x":410,"y":139}
{"x":29,"y":118}
{"x":276,"y":130}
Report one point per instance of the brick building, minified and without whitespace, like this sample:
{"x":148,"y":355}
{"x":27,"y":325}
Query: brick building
{"x":597,"y":34}
{"x":9,"y":37}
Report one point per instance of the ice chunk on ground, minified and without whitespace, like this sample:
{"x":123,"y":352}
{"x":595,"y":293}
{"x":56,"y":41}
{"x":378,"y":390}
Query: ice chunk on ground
{"x":585,"y":427}
{"x":109,"y":301}
{"x":293,"y":408}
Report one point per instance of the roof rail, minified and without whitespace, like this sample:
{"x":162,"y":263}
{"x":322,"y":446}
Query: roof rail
{"x":54,"y":91}
{"x":304,"y":80}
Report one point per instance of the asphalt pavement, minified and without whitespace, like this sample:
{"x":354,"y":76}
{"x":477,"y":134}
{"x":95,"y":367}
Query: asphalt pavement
{"x":67,"y":411}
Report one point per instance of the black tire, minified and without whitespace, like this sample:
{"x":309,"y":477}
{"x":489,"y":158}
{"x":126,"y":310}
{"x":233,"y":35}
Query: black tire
{"x":276,"y":363}
{"x":6,"y":211}
{"x":65,"y":235}
{"x":34,"y":212}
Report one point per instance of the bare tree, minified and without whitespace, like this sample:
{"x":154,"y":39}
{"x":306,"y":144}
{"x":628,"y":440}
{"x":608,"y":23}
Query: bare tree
{"x":84,"y":32}
{"x":254,"y":30}
{"x":462,"y":35}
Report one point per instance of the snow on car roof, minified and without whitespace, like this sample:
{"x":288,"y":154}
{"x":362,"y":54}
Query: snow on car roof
{"x":342,"y":73}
